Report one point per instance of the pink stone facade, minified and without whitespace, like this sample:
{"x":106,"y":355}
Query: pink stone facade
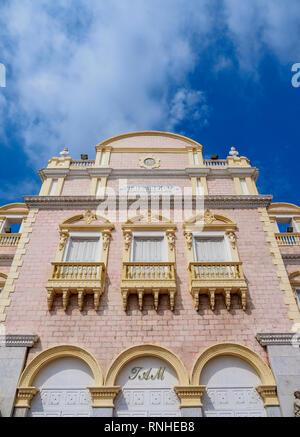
{"x":110,"y":330}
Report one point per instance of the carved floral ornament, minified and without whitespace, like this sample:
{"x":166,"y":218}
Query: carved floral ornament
{"x":171,"y":239}
{"x":127,"y":239}
{"x":149,"y":162}
{"x":63,"y":236}
{"x":89,"y":217}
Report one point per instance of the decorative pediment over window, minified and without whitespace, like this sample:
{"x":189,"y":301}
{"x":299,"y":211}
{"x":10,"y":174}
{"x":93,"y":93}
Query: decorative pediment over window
{"x":84,"y":276}
{"x":148,"y":274}
{"x":210,"y":221}
{"x":212,"y":270}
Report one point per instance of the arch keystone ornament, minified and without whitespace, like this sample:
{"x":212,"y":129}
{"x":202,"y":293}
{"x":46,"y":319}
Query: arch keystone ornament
{"x":26,"y":391}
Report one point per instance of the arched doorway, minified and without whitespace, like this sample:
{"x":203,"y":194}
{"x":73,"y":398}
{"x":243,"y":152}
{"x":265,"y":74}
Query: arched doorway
{"x":147,"y":375}
{"x":230,"y":389}
{"x":63,"y":389}
{"x":147,"y":389}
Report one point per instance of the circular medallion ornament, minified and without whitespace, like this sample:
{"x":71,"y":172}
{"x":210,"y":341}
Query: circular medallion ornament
{"x":149,"y":162}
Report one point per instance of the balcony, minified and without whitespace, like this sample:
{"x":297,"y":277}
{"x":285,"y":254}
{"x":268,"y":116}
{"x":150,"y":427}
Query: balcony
{"x":288,"y":238}
{"x":154,"y":278}
{"x":211,"y":278}
{"x":9,"y":240}
{"x":78,"y":278}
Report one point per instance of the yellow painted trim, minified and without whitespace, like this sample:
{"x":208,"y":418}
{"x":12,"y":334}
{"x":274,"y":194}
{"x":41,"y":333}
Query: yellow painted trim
{"x":148,"y":133}
{"x":17,"y":262}
{"x":237,"y":185}
{"x":204,"y":185}
{"x":45,"y":188}
{"x":285,"y":285}
{"x":59,"y":186}
{"x":283,"y":208}
{"x":14,"y":209}
{"x":262,"y":369}
{"x":143,"y":351}
{"x":45,"y":357}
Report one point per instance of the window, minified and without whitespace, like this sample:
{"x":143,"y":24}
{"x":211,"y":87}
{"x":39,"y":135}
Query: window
{"x":244,"y":186}
{"x":195,"y":157}
{"x":211,"y":249}
{"x":283,"y":223}
{"x":147,"y":249}
{"x":12,"y":225}
{"x":81,"y":249}
{"x":53,"y":187}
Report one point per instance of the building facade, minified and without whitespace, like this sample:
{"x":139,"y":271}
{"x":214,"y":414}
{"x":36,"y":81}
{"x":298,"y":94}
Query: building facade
{"x":149,"y":282}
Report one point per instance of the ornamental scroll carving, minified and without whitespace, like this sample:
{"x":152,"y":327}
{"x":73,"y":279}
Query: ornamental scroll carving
{"x":232,"y":238}
{"x":106,"y":239}
{"x":171,"y":239}
{"x":208,"y":217}
{"x":63,"y":236}
{"x":188,"y":239}
{"x":127,"y":239}
{"x":89,"y":217}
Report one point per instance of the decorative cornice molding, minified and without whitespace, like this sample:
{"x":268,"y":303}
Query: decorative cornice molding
{"x":18,"y":340}
{"x":291,"y":258}
{"x":91,"y":202}
{"x":279,"y":338}
{"x":84,"y":172}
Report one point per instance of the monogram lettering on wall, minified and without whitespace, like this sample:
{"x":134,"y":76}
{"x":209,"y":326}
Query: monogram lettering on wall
{"x":148,"y":374}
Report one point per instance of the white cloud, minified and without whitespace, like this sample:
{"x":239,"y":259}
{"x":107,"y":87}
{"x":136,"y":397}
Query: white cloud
{"x":115,"y":73}
{"x":83,"y":71}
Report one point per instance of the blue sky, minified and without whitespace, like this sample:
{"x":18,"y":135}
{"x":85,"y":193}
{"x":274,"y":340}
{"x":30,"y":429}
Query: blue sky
{"x":218,"y":71}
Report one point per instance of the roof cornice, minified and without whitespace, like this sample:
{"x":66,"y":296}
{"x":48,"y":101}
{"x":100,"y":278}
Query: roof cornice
{"x":210,"y":201}
{"x":84,"y":172}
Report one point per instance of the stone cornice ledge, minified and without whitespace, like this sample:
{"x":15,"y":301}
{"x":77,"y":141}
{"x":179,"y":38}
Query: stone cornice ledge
{"x":210,"y":201}
{"x":278,"y":338}
{"x":291,"y":258}
{"x":18,"y":340}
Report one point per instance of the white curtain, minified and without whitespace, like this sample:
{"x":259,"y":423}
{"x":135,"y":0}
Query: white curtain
{"x":83,"y":250}
{"x":210,"y":249}
{"x":148,"y":249}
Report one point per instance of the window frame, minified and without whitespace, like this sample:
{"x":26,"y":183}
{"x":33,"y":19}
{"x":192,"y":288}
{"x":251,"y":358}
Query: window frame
{"x":210,"y":234}
{"x":150,"y":234}
{"x":84,"y":236}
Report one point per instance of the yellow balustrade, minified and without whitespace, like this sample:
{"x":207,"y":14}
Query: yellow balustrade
{"x":78,"y":278}
{"x":216,"y":271}
{"x":288,"y":239}
{"x":9,"y":240}
{"x":69,"y":271}
{"x":148,"y":271}
{"x":211,"y":278}
{"x":154,"y":278}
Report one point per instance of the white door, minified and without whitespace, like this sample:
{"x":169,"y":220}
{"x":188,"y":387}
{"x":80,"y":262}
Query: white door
{"x":63,"y":390}
{"x":230,"y":389}
{"x":147,"y":390}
